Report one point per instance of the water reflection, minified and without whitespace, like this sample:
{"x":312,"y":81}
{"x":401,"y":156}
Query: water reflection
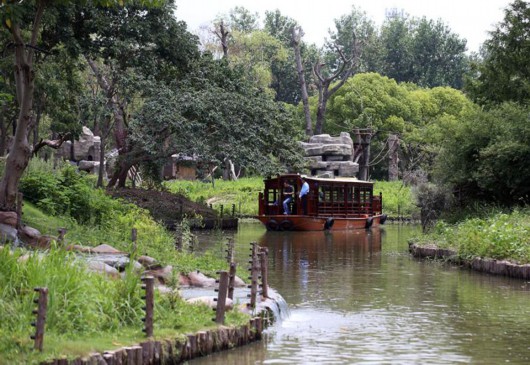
{"x":359,"y":298}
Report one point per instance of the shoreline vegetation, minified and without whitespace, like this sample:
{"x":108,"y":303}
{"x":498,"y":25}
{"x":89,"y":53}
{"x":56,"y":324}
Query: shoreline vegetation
{"x":498,"y":244}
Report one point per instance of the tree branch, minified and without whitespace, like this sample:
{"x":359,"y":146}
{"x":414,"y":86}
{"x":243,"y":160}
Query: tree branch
{"x":55,"y":143}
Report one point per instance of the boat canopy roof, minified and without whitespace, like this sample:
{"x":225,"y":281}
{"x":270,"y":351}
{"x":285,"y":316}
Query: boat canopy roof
{"x":323,"y":180}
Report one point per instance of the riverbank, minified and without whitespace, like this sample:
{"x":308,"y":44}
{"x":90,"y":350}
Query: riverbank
{"x":498,"y":244}
{"x":489,"y":266}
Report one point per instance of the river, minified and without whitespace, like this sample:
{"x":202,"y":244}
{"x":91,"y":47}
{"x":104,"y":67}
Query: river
{"x":359,"y":298}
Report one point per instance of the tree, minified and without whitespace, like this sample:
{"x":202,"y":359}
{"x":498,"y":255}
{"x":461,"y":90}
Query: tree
{"x":355,"y":24}
{"x":23,"y":21}
{"x":216,"y":114}
{"x":421,"y":51}
{"x":504,"y":73}
{"x":284,"y":71}
{"x":487,"y":156}
{"x":242,"y":20}
{"x":150,"y":44}
{"x":296,"y":39}
{"x":438,"y":55}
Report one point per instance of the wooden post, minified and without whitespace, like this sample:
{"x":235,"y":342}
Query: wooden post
{"x":264,"y":272}
{"x":42,"y":303}
{"x":20,"y":203}
{"x":231,"y":279}
{"x":221,"y":298}
{"x":230,"y":251}
{"x":233,"y":210}
{"x":149,"y":286}
{"x":222,"y":209}
{"x":253,"y":276}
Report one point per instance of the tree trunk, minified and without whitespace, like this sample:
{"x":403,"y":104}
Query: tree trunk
{"x":295,"y":41}
{"x":393,"y":168}
{"x":364,"y":168}
{"x":321,"y":110}
{"x":101,"y":169}
{"x":223,"y":37}
{"x":120,"y":130}
{"x":20,"y":153}
{"x":3,"y":130}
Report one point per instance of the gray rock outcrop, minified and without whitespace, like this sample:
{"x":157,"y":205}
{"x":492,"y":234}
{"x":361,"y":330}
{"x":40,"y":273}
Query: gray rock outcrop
{"x":328,"y":156}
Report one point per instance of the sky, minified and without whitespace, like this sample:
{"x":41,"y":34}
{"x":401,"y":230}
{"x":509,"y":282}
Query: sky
{"x":470,"y":19}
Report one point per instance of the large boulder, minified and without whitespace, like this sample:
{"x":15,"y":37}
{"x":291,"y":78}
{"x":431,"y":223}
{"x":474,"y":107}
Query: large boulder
{"x":198,"y":279}
{"x":102,"y":268}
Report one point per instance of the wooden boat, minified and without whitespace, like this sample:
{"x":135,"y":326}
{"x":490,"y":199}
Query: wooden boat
{"x":332,"y":204}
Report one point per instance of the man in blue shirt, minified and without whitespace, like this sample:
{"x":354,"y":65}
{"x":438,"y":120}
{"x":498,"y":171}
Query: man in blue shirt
{"x":303,"y":195}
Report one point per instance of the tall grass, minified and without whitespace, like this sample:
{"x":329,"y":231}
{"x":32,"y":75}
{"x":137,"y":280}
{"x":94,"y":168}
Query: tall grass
{"x":243,"y":193}
{"x":82,"y":307}
{"x":500,"y":236}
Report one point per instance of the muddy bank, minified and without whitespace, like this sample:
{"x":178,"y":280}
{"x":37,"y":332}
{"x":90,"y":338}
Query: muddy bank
{"x":490,"y":266}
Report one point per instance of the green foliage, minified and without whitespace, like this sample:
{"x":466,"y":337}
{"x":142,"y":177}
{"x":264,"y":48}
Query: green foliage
{"x":503,"y":74}
{"x":421,"y":51}
{"x":215,"y":114}
{"x":487,"y":156}
{"x":500,"y":236}
{"x":66,"y":191}
{"x":398,"y":200}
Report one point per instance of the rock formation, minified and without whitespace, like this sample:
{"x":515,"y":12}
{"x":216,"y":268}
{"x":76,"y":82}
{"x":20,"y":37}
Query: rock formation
{"x":330,"y":156}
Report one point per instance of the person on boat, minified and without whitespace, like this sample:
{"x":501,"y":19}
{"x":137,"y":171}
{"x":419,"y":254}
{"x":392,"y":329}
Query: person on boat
{"x":288,"y":192}
{"x":303,"y":195}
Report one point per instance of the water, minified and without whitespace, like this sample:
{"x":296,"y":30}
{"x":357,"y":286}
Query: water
{"x":359,"y":298}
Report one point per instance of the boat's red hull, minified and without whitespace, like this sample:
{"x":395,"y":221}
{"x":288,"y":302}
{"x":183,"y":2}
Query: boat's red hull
{"x":317,"y":223}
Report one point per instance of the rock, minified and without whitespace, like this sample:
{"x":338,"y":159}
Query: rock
{"x":29,"y":232}
{"x":348,"y":169}
{"x":78,"y":248}
{"x":8,"y":218}
{"x":149,"y":262}
{"x":163,"y":289}
{"x":104,"y":248}
{"x":238,"y":282}
{"x":8,"y":233}
{"x":200,"y":280}
{"x":88,"y":166}
{"x":163,"y":274}
{"x":32,"y":237}
{"x":101,"y":267}
{"x":211,"y":302}
{"x":184,"y":280}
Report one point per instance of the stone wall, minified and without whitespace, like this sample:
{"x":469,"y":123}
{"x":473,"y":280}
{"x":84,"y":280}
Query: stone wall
{"x":330,"y":156}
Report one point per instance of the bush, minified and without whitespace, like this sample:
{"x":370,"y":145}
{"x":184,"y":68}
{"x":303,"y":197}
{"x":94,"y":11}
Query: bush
{"x":66,"y":191}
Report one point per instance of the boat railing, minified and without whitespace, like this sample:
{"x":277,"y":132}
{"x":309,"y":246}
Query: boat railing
{"x":349,"y":208}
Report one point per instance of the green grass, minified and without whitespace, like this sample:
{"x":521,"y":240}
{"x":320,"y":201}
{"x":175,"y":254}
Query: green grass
{"x":86,"y":311}
{"x":243,"y":193}
{"x":500,"y":236}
